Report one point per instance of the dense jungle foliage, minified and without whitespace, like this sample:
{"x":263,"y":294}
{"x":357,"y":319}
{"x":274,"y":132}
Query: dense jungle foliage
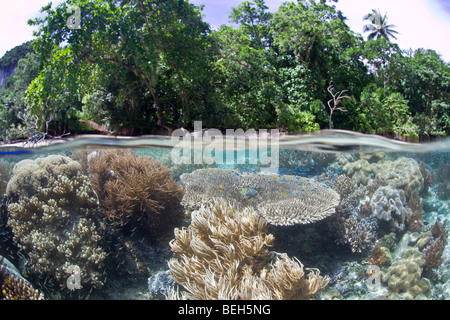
{"x":149,"y":66}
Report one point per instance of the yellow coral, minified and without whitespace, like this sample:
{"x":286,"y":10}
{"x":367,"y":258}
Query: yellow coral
{"x":404,"y":276}
{"x":223,"y":255}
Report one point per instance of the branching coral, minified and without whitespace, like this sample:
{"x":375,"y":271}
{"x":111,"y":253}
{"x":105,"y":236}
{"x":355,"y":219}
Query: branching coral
{"x":428,"y":179}
{"x":434,"y":251}
{"x":14,"y":288}
{"x":414,"y":220}
{"x":279,"y":199}
{"x":54,"y":218}
{"x":349,"y":228}
{"x":223,"y":255}
{"x":357,"y":233}
{"x":380,"y":255}
{"x":136,"y":190}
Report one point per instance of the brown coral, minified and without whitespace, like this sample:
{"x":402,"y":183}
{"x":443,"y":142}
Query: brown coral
{"x":434,"y":251}
{"x":14,"y":288}
{"x":428,"y":179}
{"x":414,"y":221}
{"x":136,"y":190}
{"x":379,"y":255}
{"x":223,"y":255}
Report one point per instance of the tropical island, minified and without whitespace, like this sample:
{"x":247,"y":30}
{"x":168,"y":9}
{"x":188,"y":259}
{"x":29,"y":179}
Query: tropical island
{"x":335,"y":218}
{"x":148,"y":67}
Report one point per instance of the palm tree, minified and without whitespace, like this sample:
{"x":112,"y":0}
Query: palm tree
{"x":378,"y":27}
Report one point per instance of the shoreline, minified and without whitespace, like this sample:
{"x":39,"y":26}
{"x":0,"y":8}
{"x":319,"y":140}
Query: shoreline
{"x":335,"y":141}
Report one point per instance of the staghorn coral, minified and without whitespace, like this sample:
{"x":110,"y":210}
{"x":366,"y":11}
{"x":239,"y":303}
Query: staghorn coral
{"x":404,"y":276}
{"x":347,"y":190}
{"x":136,"y":190}
{"x":223,"y":255}
{"x":14,"y":288}
{"x":54,"y":218}
{"x":387,"y":206}
{"x":279,"y":199}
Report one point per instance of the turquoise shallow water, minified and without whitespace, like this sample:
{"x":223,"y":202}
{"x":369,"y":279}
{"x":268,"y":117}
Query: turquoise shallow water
{"x":106,"y":213}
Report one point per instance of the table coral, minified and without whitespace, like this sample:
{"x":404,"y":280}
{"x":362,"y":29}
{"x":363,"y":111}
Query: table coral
{"x":54,"y":218}
{"x":279,"y":199}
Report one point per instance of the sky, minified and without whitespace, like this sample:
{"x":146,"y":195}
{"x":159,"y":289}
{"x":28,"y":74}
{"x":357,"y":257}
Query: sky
{"x":421,"y":23}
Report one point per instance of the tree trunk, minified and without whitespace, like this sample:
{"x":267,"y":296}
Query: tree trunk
{"x":162,"y":122}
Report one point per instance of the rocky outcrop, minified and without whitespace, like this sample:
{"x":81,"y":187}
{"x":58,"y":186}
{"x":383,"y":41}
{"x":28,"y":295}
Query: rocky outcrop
{"x":6,"y":72}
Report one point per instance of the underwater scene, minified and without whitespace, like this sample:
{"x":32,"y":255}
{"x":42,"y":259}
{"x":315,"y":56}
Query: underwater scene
{"x":326,"y":217}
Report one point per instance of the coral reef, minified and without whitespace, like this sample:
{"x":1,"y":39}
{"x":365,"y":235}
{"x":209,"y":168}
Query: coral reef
{"x":14,"y":288}
{"x":54,"y":218}
{"x":223,"y":255}
{"x":344,"y":186}
{"x":311,"y":161}
{"x":428,"y":179}
{"x":136,"y":191}
{"x":380,"y":255}
{"x":387,"y":206}
{"x":347,"y":226}
{"x":7,"y":268}
{"x":402,"y":174}
{"x":404,"y":276}
{"x":433,"y":252}
{"x":279,"y":199}
{"x":414,"y":220}
{"x":357,"y":233}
